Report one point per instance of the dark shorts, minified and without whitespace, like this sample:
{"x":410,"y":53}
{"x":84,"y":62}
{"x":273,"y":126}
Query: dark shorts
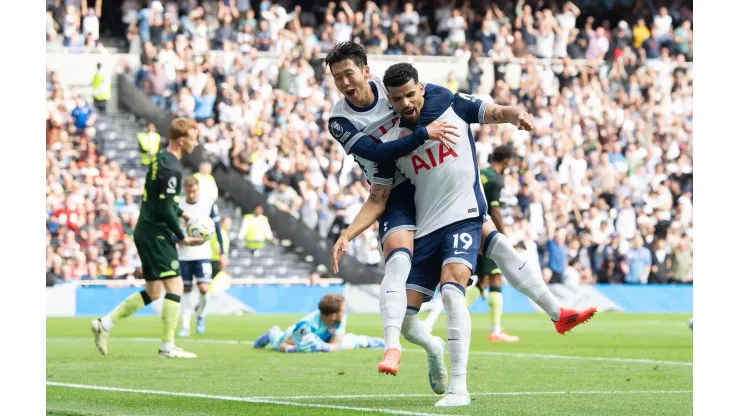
{"x":196,"y":270}
{"x":158,"y":254}
{"x":454,"y":243}
{"x":216,"y":267}
{"x":486,"y":267}
{"x":400,"y":211}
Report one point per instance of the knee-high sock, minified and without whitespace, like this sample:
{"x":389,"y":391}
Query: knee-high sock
{"x":170,"y":311}
{"x":131,"y":304}
{"x":415,"y":333}
{"x":186,"y":309}
{"x":434,"y":312}
{"x":524,"y":275}
{"x":458,"y":334}
{"x":496,"y":305}
{"x":393,"y":296}
{"x":471,"y":294}
{"x":203,"y":300}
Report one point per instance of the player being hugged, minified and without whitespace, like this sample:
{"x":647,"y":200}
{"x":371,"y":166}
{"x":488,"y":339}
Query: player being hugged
{"x":156,"y":236}
{"x":195,"y":261}
{"x":323,"y":330}
{"x":359,"y":123}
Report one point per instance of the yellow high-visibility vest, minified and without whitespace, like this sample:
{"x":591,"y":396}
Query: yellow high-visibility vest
{"x":214,"y":244}
{"x":148,"y":146}
{"x":208,"y":187}
{"x":256,"y":235}
{"x":104,"y":93}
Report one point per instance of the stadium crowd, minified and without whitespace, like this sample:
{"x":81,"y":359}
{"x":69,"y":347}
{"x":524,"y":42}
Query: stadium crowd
{"x":601,"y":191}
{"x":90,"y":203}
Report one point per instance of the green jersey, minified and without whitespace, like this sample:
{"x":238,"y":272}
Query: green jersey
{"x":493,"y":184}
{"x":159,"y":203}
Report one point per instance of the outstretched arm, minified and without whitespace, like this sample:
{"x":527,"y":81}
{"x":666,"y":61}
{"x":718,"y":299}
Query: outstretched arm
{"x":358,"y":143}
{"x":371,"y":210}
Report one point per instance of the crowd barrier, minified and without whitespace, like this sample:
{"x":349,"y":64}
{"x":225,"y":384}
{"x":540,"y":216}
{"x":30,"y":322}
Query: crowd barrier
{"x":72,"y":300}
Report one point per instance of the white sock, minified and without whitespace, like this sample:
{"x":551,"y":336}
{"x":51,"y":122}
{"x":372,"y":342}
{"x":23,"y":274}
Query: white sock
{"x":186,"y":310}
{"x":107,"y":323}
{"x":393,"y":296}
{"x":527,"y":279}
{"x":458,"y":335}
{"x":202,"y":304}
{"x":415,"y":333}
{"x":167,"y":345}
{"x":437,"y":308}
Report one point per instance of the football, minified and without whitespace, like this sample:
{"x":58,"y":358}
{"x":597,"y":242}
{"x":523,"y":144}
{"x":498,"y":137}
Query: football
{"x":201,"y":228}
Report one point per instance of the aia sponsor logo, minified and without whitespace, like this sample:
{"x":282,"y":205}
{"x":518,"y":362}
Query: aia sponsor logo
{"x":431,"y":158}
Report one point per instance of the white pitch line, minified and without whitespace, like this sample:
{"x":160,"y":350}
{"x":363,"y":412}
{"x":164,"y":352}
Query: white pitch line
{"x":494,"y":393}
{"x":496,"y":353}
{"x":256,"y":400}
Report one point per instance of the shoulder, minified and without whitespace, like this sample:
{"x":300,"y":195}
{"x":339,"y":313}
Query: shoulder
{"x":437,"y":100}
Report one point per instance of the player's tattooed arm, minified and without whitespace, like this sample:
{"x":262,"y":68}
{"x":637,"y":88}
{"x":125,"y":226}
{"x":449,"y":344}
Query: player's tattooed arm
{"x":371,"y":210}
{"x":498,"y":114}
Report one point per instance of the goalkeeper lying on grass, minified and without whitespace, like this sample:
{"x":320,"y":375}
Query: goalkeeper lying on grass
{"x":322,"y":330}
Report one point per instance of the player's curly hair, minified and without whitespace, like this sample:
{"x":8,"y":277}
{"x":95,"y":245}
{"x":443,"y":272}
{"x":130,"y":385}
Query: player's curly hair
{"x":399,"y":74}
{"x":346,"y":51}
{"x":501,"y":153}
{"x":331,"y":303}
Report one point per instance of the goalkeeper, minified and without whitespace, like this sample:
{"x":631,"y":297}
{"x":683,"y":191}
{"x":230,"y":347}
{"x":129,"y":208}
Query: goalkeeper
{"x":322,"y":330}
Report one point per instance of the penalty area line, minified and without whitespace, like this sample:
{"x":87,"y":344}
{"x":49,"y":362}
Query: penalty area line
{"x":256,"y":400}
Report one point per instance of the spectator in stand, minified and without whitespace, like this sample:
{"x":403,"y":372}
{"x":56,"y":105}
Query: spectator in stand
{"x":639,"y":262}
{"x":255,"y":230}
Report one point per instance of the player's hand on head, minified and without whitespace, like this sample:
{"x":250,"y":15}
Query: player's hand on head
{"x":443,"y":132}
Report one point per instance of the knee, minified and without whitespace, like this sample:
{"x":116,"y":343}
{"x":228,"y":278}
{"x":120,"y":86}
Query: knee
{"x":154,"y":292}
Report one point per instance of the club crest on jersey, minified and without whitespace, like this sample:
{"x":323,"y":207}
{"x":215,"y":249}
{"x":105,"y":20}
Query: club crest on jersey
{"x":336,"y":129}
{"x":432,"y":159}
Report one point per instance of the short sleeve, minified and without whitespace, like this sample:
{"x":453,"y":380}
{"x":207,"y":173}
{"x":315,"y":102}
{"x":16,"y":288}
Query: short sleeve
{"x":471,"y":109}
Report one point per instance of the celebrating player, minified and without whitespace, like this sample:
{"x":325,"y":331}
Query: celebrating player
{"x":195,"y":262}
{"x":323,"y":330}
{"x":488,"y":283}
{"x":358,"y":123}
{"x":448,"y":202}
{"x":156,"y":234}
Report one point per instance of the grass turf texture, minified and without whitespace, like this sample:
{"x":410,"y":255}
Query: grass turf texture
{"x":622,"y":364}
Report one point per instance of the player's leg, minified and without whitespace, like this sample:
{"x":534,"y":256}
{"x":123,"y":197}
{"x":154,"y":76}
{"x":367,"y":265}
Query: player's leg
{"x":101,"y":327}
{"x":186,"y":305}
{"x":397,"y":249}
{"x":526,"y":277}
{"x":496,"y":306}
{"x":203,"y":277}
{"x":472,"y":292}
{"x":170,"y":311}
{"x":353,"y":341}
{"x":397,"y":226}
{"x":416,"y":333}
{"x":459,"y":258}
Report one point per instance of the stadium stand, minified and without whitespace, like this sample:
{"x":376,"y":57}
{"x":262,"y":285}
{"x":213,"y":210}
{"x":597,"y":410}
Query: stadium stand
{"x":610,"y":161}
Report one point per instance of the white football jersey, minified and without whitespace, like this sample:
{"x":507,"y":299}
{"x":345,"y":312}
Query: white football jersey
{"x":202,"y":208}
{"x":447,"y":180}
{"x":348,"y":124}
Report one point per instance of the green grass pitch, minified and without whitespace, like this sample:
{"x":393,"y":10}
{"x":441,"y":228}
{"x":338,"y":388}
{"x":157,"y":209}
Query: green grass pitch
{"x":617,"y":364}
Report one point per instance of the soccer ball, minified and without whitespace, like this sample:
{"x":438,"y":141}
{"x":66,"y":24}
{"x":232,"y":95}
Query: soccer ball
{"x":201,"y":228}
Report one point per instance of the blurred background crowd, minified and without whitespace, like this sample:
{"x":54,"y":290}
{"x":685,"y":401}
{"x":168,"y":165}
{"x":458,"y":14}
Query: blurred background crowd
{"x":601,"y":191}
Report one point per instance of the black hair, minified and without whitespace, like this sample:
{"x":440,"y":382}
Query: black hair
{"x":501,"y":153}
{"x":399,"y":74}
{"x":346,"y":51}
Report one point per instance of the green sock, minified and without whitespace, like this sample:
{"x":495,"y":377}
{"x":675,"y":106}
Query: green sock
{"x":170,"y":312}
{"x":471,"y":294}
{"x":131,"y":304}
{"x":496,"y":303}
